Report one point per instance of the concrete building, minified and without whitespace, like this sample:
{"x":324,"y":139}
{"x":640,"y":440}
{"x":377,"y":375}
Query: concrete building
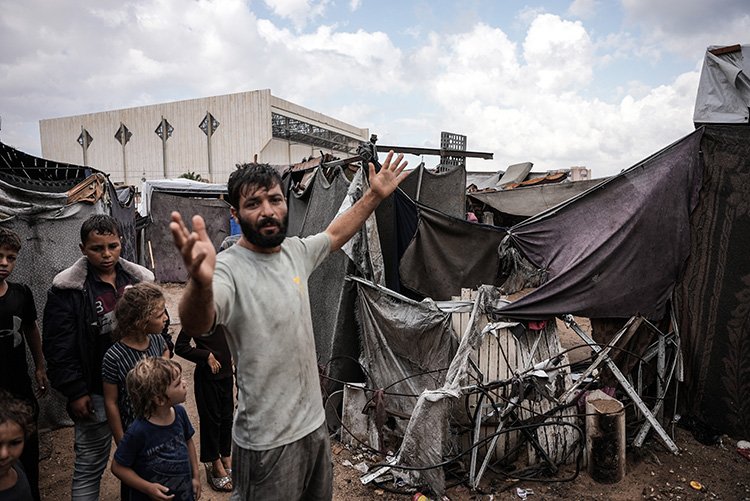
{"x":207,"y":136}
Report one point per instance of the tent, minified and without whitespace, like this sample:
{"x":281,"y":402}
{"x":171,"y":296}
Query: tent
{"x":158,"y":199}
{"x":46,"y":202}
{"x":675,"y":226}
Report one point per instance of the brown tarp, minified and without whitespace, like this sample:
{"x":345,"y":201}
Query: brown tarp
{"x":617,"y":250}
{"x":448,"y":254}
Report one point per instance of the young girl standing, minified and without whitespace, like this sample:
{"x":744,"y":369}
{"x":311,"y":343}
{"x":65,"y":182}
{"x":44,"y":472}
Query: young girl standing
{"x":140,"y":315}
{"x":16,"y":424}
{"x":157,"y":456}
{"x":214,"y":397}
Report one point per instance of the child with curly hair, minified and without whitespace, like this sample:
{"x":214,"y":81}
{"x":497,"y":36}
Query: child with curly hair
{"x":16,"y":425}
{"x":156,"y":457}
{"x":140,"y":316}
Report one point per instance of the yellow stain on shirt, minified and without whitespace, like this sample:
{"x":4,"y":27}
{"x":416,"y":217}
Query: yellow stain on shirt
{"x":298,"y":281}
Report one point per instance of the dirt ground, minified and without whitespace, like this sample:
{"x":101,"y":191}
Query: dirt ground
{"x":652,"y":471}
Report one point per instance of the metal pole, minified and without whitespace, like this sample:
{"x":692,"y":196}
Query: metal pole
{"x":164,"y":137}
{"x":124,"y":161}
{"x":210,"y":129}
{"x":85,"y":146}
{"x":568,"y":319}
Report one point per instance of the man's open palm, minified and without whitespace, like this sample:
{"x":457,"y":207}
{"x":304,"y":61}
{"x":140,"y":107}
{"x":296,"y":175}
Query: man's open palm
{"x":197,"y":250}
{"x":385,"y":181}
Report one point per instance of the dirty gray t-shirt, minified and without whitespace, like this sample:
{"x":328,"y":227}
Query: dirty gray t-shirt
{"x":263,"y":302}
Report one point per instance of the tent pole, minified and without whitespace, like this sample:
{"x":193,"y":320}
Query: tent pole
{"x":571,"y":323}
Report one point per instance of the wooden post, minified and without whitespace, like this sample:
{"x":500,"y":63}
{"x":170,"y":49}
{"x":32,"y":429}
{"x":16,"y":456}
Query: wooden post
{"x":605,"y":438}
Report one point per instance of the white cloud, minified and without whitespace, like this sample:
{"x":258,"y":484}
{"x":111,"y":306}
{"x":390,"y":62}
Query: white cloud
{"x":529,"y":104}
{"x":354,"y":4}
{"x":559,"y":53}
{"x":299,"y":12}
{"x":523,"y":98}
{"x":327,"y":60}
{"x":687,"y":27}
{"x":583,"y":9}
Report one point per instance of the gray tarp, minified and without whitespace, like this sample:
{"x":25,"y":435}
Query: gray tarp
{"x":617,"y":250}
{"x":448,"y":254}
{"x":177,"y":186}
{"x":530,"y":201}
{"x":403,"y":342}
{"x":167,"y":263}
{"x":331,"y":297}
{"x":297,"y":205}
{"x":724,"y":87}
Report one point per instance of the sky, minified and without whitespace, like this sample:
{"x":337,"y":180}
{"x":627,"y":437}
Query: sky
{"x":595,"y":83}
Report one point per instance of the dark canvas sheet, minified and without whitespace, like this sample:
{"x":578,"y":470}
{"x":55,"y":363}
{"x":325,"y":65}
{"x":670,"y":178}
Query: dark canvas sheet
{"x":714,"y":292}
{"x":297,"y":205}
{"x":448,"y":254}
{"x":617,"y":250}
{"x":442,"y":191}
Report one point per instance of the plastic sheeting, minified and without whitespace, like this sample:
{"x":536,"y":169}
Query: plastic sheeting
{"x":405,"y":344}
{"x":534,"y":363}
{"x":724,"y":87}
{"x":46,"y":202}
{"x":364,"y":247}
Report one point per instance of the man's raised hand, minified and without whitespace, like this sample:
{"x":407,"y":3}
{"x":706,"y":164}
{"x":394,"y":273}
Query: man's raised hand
{"x":387,"y":179}
{"x":197,"y":250}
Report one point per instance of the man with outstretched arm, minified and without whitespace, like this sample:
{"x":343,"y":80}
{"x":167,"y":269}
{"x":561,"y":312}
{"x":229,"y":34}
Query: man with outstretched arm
{"x":257,"y":290}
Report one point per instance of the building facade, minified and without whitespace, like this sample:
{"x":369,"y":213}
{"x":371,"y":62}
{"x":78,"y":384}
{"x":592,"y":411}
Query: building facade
{"x":206,"y":136}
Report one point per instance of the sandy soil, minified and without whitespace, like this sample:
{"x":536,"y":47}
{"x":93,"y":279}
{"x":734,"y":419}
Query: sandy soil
{"x":652,"y":472}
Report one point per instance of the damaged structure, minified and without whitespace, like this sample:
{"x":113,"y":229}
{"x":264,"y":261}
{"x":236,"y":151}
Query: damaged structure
{"x":46,"y":202}
{"x":653,"y":256}
{"x":430,"y":317}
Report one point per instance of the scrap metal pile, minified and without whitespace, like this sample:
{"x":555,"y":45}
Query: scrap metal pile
{"x":457,"y":394}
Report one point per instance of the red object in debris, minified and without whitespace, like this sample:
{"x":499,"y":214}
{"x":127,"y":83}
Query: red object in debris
{"x":745,"y":453}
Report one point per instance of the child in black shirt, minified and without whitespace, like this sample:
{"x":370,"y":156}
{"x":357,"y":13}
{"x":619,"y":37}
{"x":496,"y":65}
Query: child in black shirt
{"x":17,"y":326}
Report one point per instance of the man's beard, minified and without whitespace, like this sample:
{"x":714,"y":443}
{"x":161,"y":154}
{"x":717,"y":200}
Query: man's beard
{"x":253,"y":235}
